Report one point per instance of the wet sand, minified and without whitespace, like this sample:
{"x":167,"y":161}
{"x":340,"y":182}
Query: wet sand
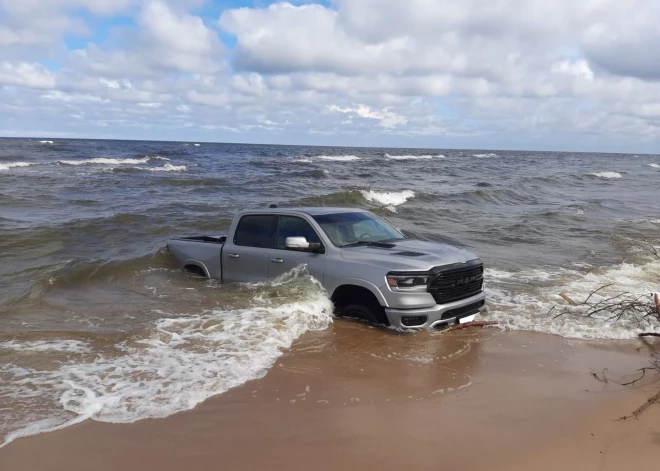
{"x":355,"y":397}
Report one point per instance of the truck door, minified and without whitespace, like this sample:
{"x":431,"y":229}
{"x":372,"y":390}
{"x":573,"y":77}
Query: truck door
{"x":283,"y":260}
{"x":245,"y":257}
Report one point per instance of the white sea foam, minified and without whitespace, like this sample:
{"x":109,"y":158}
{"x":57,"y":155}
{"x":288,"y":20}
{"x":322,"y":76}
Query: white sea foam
{"x":514,"y":306}
{"x":65,"y":346}
{"x":157,"y":157}
{"x":484,"y":156}
{"x":103,"y":161}
{"x":303,"y":161}
{"x":608,"y":175}
{"x":388,"y":199}
{"x":166,"y":168}
{"x":654,"y":165}
{"x":46,"y":142}
{"x":414,"y":157}
{"x":9,"y":165}
{"x":185,"y":359}
{"x":339,"y":158}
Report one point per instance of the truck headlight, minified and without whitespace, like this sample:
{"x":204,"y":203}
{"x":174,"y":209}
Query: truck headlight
{"x":408,"y":283}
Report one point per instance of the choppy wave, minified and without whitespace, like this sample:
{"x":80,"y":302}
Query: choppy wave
{"x":9,"y":165}
{"x":388,"y":199}
{"x":654,"y":165}
{"x":103,"y":161}
{"x":46,"y":142}
{"x":182,"y":361}
{"x":484,"y":156}
{"x":339,"y":158}
{"x":607,"y":175}
{"x":166,"y":168}
{"x":515,"y":306}
{"x":414,"y":157}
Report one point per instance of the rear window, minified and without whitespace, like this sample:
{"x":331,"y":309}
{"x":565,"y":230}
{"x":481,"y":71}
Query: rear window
{"x":256,"y":231}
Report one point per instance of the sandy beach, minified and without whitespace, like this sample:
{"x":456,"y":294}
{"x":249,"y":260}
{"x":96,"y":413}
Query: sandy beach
{"x":357,"y":397}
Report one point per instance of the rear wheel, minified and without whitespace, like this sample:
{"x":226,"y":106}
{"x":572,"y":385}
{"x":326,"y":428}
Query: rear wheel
{"x":369,"y":312}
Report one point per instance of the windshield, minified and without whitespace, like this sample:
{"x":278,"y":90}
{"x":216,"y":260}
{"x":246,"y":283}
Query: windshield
{"x":349,"y":228}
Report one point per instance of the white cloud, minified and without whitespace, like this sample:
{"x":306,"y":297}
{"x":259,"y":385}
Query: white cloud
{"x":166,"y":40}
{"x":386,"y":118}
{"x":463,"y":72}
{"x":25,"y":74}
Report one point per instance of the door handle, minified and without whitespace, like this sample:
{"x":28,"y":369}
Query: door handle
{"x":233,"y":255}
{"x":277,"y":260}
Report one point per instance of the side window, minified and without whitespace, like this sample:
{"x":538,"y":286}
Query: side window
{"x":256,"y":231}
{"x":291,"y":226}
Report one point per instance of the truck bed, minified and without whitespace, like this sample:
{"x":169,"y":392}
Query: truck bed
{"x":201,"y":254}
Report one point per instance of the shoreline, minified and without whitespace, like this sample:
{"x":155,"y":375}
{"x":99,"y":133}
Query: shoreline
{"x":345,"y":398}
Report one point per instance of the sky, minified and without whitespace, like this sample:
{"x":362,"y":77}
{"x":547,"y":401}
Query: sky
{"x":572,"y":75}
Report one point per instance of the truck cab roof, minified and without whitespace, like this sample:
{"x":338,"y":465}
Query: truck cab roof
{"x":312,"y":211}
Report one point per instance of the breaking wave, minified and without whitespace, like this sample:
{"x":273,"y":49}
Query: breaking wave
{"x":181,"y":361}
{"x":46,"y":142}
{"x":607,"y":175}
{"x":654,"y":165}
{"x":414,"y":157}
{"x":514,"y":306}
{"x":339,"y":158}
{"x":9,"y":165}
{"x":103,"y":161}
{"x":388,"y":199}
{"x":484,"y":156}
{"x":166,"y":168}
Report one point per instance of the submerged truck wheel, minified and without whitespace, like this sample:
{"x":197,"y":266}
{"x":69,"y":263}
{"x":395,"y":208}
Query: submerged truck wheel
{"x":371,"y":313}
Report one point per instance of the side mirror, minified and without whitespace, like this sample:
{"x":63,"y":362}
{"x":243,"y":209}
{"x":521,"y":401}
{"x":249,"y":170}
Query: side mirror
{"x":301,"y":244}
{"x":296,"y":243}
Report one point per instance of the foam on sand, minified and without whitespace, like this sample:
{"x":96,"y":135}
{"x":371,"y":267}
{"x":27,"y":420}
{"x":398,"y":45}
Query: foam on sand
{"x":388,"y":199}
{"x":8,"y":165}
{"x":66,"y":346}
{"x":607,"y":175}
{"x":103,"y":161}
{"x":181,"y":360}
{"x":511,"y":304}
{"x":414,"y":157}
{"x":339,"y":158}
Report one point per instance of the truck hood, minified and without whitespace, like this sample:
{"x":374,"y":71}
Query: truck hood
{"x":409,"y":254}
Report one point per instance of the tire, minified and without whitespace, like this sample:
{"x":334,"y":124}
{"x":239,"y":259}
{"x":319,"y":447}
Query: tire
{"x":370,"y":313}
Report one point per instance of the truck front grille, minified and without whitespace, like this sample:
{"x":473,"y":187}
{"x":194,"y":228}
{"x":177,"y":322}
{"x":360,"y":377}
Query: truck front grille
{"x":457,"y":282}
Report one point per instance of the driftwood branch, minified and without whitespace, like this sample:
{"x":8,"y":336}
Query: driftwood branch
{"x":651,"y":400}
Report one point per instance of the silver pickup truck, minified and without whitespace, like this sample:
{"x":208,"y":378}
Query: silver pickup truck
{"x":369,"y":269}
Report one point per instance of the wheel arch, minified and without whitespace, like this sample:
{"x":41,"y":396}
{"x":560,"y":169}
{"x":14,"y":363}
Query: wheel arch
{"x":195,"y":266}
{"x":351,"y":291}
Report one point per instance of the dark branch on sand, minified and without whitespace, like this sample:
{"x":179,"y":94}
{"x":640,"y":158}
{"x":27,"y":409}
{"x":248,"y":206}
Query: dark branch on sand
{"x":644,"y":309}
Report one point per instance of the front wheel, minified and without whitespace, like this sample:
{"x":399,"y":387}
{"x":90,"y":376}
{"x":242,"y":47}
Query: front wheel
{"x":370,"y":313}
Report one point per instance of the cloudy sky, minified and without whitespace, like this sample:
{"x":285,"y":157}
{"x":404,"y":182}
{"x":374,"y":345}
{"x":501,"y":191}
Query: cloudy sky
{"x":514,"y":74}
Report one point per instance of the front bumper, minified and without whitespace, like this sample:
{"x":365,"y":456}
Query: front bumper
{"x":436,"y":316}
